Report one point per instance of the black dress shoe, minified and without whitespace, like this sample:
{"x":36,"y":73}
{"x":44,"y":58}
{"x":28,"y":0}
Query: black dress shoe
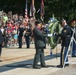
{"x":19,"y":47}
{"x":66,"y":64}
{"x":45,"y":66}
{"x":0,"y":60}
{"x":59,"y":66}
{"x":27,"y":47}
{"x":37,"y":67}
{"x":73,"y":55}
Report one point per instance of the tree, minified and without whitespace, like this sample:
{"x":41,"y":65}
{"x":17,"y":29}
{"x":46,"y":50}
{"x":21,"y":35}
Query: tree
{"x":60,"y":8}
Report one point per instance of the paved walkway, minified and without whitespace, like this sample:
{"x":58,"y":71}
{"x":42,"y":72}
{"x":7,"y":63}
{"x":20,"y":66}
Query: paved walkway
{"x":19,"y":62}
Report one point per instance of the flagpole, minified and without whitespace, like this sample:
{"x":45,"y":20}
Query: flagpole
{"x":32,"y":14}
{"x":33,"y":6}
{"x":42,"y":10}
{"x":26,"y":10}
{"x":33,"y":2}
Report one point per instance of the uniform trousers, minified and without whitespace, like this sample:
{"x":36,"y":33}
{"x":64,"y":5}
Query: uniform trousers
{"x":20,"y":42}
{"x":0,"y":49}
{"x":74,"y":49}
{"x":27,"y":38}
{"x":63,"y":56}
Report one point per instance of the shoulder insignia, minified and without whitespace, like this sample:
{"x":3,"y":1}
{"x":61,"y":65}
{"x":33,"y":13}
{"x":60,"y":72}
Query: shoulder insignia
{"x":64,"y":30}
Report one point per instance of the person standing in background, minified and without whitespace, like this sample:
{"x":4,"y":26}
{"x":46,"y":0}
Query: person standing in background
{"x":1,"y":42}
{"x":73,"y":26}
{"x":20,"y":35}
{"x":27,"y":36}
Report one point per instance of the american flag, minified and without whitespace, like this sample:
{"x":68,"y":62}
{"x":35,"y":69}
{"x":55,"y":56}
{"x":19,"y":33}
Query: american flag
{"x":42,"y":8}
{"x":32,"y":9}
{"x":26,"y":11}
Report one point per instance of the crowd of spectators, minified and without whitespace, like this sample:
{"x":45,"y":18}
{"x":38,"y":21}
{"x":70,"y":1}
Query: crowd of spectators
{"x":10,"y":24}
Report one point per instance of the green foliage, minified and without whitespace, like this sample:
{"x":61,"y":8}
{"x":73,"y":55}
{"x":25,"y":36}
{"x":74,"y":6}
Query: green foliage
{"x":60,"y":8}
{"x":54,"y":27}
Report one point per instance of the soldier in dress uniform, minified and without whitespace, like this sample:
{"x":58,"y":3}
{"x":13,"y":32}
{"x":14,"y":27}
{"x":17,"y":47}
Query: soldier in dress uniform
{"x":65,"y":35}
{"x":20,"y":35}
{"x":27,"y":36}
{"x":73,"y":25}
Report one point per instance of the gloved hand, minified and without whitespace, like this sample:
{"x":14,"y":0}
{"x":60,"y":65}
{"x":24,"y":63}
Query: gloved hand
{"x":55,"y":34}
{"x":49,"y":35}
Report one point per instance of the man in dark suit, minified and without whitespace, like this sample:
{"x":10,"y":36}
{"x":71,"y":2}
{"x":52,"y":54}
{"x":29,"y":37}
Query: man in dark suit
{"x":39,"y":39}
{"x":1,"y":42}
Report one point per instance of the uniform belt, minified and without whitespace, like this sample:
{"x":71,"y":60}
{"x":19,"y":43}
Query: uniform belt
{"x":67,"y":35}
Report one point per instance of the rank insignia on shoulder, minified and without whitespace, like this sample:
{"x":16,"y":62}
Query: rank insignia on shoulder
{"x":64,"y":30}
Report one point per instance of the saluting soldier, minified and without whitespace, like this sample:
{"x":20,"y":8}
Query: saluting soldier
{"x":65,"y":35}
